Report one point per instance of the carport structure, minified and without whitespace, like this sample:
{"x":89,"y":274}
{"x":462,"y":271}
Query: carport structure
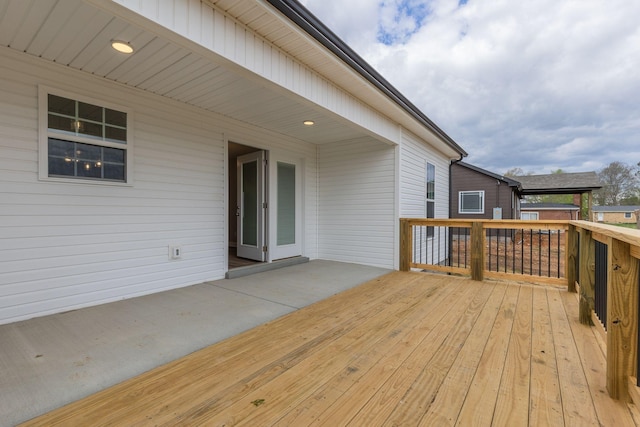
{"x":577,"y":184}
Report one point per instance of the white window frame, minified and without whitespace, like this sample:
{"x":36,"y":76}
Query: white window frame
{"x":533,"y":216}
{"x":44,"y":134}
{"x":627,"y":215}
{"x":471,"y":212}
{"x":430,"y":167}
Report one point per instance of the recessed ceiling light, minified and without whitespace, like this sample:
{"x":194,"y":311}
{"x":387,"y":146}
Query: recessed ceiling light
{"x":308,"y":123}
{"x":121,"y":46}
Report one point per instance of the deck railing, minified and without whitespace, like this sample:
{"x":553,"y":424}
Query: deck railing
{"x":600,"y":262}
{"x":532,"y":250}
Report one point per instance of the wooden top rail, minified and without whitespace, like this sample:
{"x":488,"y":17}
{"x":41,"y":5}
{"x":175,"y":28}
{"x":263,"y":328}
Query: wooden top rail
{"x":622,"y":278}
{"x":627,"y":235}
{"x":503,"y":223}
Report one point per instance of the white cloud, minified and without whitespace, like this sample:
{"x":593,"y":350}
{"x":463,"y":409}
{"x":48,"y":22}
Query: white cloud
{"x":538,"y":85}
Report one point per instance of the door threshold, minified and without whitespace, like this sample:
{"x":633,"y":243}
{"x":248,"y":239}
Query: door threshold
{"x":259,"y":268}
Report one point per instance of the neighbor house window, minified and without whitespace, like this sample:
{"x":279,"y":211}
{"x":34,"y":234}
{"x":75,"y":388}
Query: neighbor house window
{"x":430,"y":208}
{"x":627,"y":215}
{"x":529,"y":216}
{"x":84,"y":139}
{"x":471,"y":202}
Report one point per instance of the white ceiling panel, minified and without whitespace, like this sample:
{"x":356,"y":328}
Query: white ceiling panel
{"x":77,"y":34}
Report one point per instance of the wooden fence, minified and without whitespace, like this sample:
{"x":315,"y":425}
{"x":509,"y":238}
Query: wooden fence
{"x":599,"y":262}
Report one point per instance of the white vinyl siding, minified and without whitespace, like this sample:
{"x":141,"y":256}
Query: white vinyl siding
{"x":414,"y":157}
{"x":213,"y":29}
{"x":69,"y":245}
{"x":357,"y":192}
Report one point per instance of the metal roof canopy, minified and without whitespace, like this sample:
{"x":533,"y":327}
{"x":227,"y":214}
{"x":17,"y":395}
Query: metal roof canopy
{"x":559,"y":183}
{"x":562,"y":183}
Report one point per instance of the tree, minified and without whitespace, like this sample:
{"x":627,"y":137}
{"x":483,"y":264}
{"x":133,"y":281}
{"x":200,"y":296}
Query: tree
{"x":619,"y":181}
{"x":514,"y":172}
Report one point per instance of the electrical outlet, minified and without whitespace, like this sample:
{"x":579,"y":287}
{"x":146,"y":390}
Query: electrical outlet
{"x":175,"y":252}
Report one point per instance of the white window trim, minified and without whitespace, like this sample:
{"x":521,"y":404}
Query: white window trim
{"x":536,"y":214}
{"x":427,"y":200}
{"x":43,"y":138}
{"x":461,"y":193}
{"x":426,"y":190}
{"x":628,"y":215}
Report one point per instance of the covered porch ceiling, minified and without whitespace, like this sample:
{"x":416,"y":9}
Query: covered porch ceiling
{"x":77,"y":34}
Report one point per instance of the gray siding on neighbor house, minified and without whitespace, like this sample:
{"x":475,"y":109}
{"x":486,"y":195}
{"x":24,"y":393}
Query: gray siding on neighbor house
{"x":496,"y":193}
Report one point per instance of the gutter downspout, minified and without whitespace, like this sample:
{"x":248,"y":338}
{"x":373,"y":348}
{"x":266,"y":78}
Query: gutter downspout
{"x":453,"y":162}
{"x":450,"y":238}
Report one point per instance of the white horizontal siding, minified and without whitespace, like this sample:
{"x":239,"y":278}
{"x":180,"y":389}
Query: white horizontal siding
{"x":70,"y":245}
{"x":357,"y":193}
{"x":220,"y":32}
{"x":414,"y":155}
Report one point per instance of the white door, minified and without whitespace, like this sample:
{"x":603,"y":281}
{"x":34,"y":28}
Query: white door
{"x":251,"y":210}
{"x":285,"y":207}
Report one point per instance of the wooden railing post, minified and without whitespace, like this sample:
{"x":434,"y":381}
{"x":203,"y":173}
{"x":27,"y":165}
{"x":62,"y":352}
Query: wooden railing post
{"x":587,"y":276}
{"x":622,"y":318}
{"x":571,"y":262}
{"x":405,"y":245}
{"x":477,"y":251}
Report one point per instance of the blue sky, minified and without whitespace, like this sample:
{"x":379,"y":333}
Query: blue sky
{"x":400,"y":19}
{"x":538,"y":85}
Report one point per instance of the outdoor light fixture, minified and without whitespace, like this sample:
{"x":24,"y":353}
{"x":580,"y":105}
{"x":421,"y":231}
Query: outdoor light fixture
{"x":308,"y":123}
{"x":121,"y":46}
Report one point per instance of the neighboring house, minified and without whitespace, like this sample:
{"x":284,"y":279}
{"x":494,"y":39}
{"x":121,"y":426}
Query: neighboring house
{"x":576,"y":183}
{"x":615,"y":214}
{"x":549,"y":211}
{"x":479,"y":194}
{"x":118,"y":171}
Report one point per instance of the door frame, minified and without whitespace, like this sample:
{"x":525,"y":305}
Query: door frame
{"x":253,"y":252}
{"x":276,"y":252}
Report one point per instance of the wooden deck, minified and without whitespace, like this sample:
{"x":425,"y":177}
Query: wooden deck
{"x":406,"y":349}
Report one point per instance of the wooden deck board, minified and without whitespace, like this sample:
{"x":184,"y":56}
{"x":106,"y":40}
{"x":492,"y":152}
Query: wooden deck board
{"x":512,"y":406}
{"x":479,"y":404}
{"x":386,"y":384}
{"x":448,"y":402}
{"x":545,"y":401}
{"x":404,"y":349}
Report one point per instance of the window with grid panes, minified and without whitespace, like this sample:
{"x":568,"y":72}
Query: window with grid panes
{"x":85,"y":140}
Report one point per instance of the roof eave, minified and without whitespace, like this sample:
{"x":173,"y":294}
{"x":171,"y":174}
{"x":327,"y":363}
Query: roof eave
{"x":304,"y":19}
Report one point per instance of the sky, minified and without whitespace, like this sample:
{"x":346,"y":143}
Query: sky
{"x":538,"y":85}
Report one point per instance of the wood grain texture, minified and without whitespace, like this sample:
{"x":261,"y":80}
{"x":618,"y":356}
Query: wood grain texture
{"x":404,"y":349}
{"x":587,"y":276}
{"x":622,"y":313}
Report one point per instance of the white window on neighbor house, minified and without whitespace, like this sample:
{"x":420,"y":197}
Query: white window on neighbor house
{"x":83,"y":139}
{"x":627,"y":215}
{"x":471,"y":202}
{"x":529,"y":216}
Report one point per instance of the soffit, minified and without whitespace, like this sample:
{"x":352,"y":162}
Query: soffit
{"x":304,"y":48}
{"x":76,"y":34}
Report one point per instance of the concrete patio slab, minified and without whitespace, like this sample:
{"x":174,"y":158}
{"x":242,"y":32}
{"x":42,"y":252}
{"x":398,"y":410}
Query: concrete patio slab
{"x":50,"y":361}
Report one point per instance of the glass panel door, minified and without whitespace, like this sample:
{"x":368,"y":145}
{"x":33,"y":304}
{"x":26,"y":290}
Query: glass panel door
{"x":286,"y":203}
{"x":285,"y":215}
{"x":250,"y":206}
